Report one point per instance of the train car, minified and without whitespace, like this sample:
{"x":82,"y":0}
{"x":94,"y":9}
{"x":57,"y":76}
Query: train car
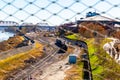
{"x":84,"y":56}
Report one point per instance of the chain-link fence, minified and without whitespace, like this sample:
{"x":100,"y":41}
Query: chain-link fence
{"x":55,"y":12}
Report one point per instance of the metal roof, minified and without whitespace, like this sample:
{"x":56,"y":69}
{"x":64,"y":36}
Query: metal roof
{"x":99,"y":18}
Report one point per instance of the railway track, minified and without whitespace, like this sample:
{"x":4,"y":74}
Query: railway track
{"x":28,"y":71}
{"x":24,"y":73}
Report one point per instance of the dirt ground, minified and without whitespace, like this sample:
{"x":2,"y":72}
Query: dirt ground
{"x":55,"y":71}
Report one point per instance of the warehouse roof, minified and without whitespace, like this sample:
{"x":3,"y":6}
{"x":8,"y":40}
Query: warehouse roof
{"x":99,"y":18}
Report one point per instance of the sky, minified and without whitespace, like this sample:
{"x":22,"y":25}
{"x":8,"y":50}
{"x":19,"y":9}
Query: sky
{"x":55,"y":12}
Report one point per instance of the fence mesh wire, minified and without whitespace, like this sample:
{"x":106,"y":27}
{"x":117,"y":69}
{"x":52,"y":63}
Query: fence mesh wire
{"x":55,"y":12}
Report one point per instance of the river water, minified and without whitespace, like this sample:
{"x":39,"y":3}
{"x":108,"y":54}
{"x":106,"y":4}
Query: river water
{"x":5,"y":35}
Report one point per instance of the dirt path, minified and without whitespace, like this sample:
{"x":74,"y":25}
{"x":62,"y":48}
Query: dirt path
{"x":56,"y":70}
{"x":12,"y":52}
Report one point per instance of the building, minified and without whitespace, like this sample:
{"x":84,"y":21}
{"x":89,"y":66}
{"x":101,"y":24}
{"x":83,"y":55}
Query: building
{"x":108,"y":22}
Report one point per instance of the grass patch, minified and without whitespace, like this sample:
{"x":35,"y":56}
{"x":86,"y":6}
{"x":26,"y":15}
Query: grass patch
{"x":76,"y":72}
{"x":94,"y":60}
{"x":11,"y":43}
{"x":17,"y":61}
{"x":72,"y":37}
{"x":98,"y":60}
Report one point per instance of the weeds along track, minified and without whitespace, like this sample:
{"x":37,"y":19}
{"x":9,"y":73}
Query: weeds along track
{"x":40,"y":64}
{"x":24,"y":73}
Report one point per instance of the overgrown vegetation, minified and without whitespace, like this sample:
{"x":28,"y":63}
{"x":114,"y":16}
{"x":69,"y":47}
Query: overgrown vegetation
{"x":87,"y":29}
{"x":116,"y":34}
{"x":72,"y":37}
{"x":15,"y":62}
{"x":11,"y":43}
{"x":103,"y":66}
{"x":75,"y":73}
